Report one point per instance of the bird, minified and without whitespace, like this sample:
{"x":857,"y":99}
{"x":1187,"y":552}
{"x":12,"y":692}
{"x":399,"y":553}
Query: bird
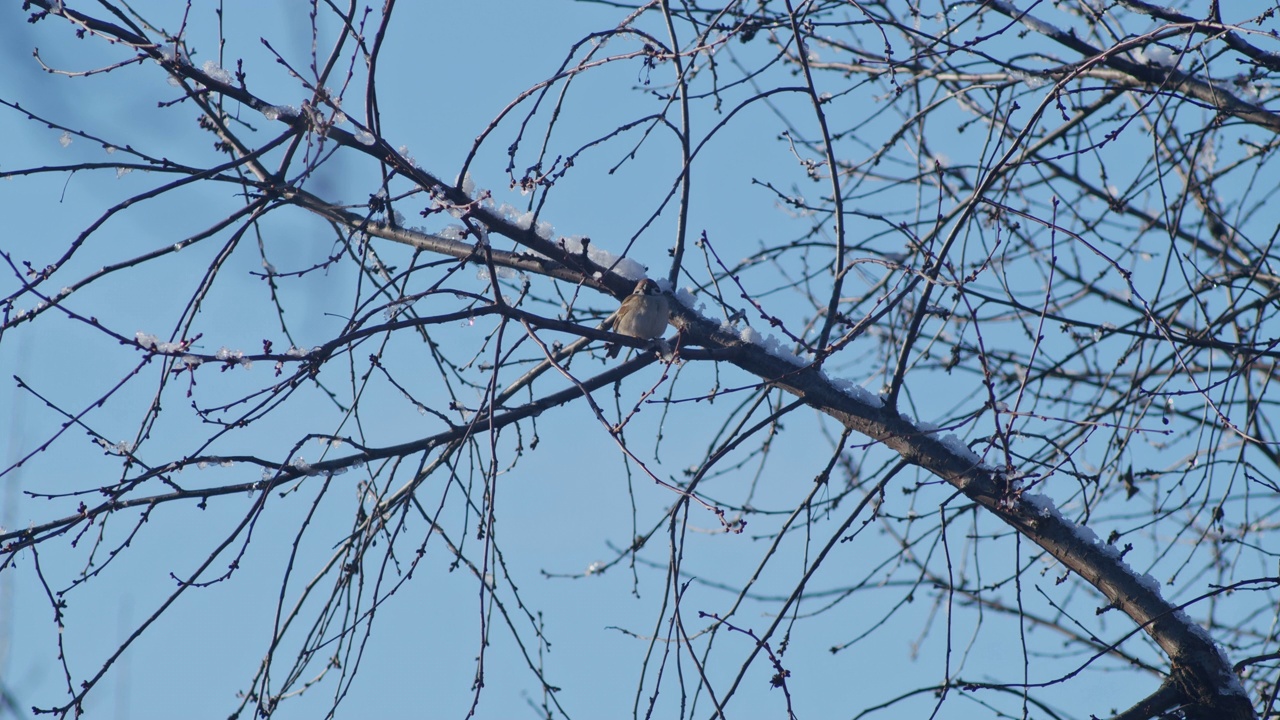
{"x":643,"y":314}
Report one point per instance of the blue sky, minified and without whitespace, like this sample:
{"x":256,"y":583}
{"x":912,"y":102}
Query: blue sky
{"x":445,"y":74}
{"x":447,"y":71}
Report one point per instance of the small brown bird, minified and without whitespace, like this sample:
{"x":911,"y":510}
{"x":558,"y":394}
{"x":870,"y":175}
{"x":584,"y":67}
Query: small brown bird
{"x":643,"y":314}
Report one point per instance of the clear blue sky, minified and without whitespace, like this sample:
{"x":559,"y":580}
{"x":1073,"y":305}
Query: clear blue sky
{"x":446,"y":72}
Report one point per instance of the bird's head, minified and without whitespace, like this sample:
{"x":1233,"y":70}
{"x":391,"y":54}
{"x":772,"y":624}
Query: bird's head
{"x":646,"y":287}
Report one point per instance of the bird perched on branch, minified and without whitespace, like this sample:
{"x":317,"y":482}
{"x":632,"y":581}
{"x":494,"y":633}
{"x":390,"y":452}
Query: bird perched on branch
{"x":643,"y":314}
